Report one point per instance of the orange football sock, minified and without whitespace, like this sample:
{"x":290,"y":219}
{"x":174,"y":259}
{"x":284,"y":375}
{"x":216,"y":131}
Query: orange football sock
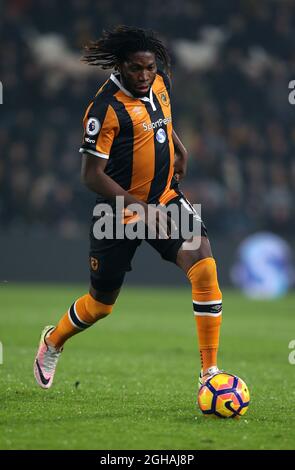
{"x":82,"y":314}
{"x":207,"y":305}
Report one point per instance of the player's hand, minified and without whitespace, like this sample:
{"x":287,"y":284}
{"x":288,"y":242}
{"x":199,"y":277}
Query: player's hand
{"x":158,"y":222}
{"x":180,"y":167}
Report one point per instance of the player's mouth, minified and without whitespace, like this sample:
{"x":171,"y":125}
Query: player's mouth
{"x":143,"y":88}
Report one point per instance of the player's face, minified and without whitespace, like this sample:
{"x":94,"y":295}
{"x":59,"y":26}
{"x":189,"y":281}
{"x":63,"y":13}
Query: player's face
{"x":139,"y":72}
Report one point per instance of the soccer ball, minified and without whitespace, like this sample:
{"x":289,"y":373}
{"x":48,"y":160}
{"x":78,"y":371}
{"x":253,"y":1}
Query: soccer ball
{"x":224,"y":395}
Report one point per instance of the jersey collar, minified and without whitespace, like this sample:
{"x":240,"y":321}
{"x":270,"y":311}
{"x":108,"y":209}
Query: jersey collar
{"x":150,"y":100}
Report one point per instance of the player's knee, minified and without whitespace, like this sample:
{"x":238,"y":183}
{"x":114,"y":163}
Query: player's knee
{"x":107,"y":284}
{"x":96,"y":309}
{"x":203,"y":277}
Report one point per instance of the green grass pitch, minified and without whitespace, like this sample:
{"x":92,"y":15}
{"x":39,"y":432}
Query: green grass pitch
{"x":130,"y":382}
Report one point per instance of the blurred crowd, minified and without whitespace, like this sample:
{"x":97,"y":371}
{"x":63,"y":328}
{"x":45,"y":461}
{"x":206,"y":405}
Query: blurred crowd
{"x":231,"y":111}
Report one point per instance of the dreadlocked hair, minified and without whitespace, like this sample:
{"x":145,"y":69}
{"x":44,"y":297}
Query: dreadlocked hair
{"x":115,"y":46}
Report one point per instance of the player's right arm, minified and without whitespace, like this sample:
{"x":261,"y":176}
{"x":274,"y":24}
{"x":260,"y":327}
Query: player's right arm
{"x":100,"y":129}
{"x":95,"y":179}
{"x":101,"y":126}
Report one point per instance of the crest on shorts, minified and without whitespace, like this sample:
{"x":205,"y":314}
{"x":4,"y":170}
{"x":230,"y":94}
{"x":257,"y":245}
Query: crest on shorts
{"x":93,"y":263}
{"x":164,"y":98}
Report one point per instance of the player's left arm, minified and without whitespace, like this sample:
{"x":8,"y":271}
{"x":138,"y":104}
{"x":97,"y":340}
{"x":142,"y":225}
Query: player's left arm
{"x":181,"y":156}
{"x":180,"y":159}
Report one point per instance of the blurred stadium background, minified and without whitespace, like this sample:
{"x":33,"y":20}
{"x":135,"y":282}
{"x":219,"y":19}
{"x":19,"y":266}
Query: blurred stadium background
{"x":232,"y":62}
{"x":132,"y":383}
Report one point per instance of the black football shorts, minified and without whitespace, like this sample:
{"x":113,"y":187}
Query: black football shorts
{"x":110,"y":259}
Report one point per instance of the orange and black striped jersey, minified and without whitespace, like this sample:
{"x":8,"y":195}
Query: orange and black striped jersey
{"x":135,"y":136}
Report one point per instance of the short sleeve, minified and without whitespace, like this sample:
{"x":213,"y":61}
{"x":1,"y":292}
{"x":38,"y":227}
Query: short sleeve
{"x":101,"y":126}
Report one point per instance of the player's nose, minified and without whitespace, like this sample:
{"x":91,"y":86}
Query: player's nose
{"x":144,"y":76}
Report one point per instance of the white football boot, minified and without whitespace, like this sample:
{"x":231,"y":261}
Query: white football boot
{"x":211,"y":371}
{"x":46,"y":360}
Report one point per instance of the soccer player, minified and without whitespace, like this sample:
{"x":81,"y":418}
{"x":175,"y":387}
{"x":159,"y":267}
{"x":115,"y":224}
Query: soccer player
{"x":130,"y":149}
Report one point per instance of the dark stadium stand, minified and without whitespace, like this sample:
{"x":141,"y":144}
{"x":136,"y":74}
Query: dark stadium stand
{"x":233,"y":115}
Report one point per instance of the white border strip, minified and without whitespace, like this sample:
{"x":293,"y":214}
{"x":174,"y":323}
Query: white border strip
{"x":210,"y":302}
{"x":119,"y":85}
{"x":93,"y":152}
{"x":74,"y":324}
{"x":205,"y":314}
{"x":81,"y":321}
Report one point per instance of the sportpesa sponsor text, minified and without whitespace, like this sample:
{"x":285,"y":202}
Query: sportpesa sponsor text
{"x":158,"y":123}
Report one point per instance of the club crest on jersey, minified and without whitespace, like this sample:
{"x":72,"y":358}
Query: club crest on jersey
{"x":92,"y":126}
{"x":164,"y":98}
{"x":161,"y":136}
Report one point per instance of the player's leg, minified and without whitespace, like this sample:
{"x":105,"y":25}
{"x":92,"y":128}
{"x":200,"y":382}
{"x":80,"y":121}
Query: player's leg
{"x":109,"y":261}
{"x":82,"y":314}
{"x":200,"y":268}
